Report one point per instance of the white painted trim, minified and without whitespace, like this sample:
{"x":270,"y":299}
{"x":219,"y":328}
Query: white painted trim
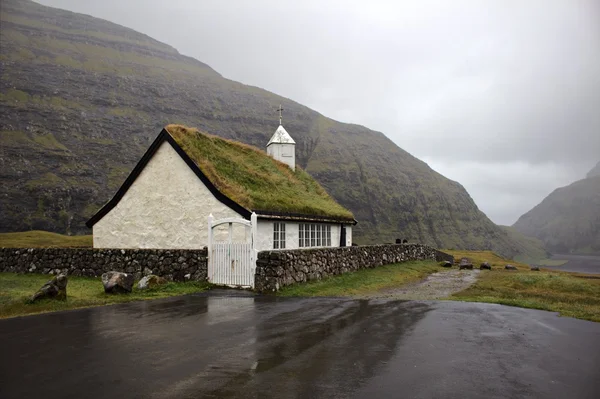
{"x":231,"y":220}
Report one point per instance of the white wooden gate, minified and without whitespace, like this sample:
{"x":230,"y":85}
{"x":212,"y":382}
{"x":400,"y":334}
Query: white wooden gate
{"x":232,"y":263}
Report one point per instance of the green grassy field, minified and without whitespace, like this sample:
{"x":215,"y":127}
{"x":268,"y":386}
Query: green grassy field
{"x":16,"y":289}
{"x":364,"y":281}
{"x":37,"y":239}
{"x":478,"y":257}
{"x":570,"y":294}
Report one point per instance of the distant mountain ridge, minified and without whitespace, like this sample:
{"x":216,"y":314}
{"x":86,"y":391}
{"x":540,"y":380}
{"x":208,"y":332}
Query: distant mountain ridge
{"x":82,"y":98}
{"x":595,"y":171}
{"x":567,"y":220}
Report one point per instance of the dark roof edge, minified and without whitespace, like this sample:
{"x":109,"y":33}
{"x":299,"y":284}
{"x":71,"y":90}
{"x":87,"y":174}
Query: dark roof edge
{"x":303,"y":217}
{"x":162,"y":137}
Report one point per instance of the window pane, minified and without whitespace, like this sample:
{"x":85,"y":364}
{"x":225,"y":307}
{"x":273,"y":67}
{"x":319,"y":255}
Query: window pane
{"x":328,"y":235}
{"x":300,"y":235}
{"x":306,"y":235}
{"x":282,"y":235}
{"x":312,"y":235}
{"x":318,"y":235}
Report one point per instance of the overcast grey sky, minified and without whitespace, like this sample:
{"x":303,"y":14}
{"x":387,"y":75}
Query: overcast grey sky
{"x":502,"y":96}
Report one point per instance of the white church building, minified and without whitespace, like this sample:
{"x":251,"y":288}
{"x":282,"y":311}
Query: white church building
{"x":188,"y":179}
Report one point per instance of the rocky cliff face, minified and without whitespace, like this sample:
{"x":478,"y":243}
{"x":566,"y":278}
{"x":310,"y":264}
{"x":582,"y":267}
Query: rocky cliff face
{"x":81,"y":99}
{"x":567,"y":220}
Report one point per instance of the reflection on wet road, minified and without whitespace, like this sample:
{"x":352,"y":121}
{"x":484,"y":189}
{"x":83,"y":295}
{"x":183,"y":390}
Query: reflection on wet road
{"x":254,"y":346}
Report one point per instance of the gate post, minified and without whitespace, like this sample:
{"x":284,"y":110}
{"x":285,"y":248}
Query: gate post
{"x":253,"y":221}
{"x":254,"y":251}
{"x":210,"y":265}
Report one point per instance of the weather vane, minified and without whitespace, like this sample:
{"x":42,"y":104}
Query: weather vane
{"x":280,"y":109}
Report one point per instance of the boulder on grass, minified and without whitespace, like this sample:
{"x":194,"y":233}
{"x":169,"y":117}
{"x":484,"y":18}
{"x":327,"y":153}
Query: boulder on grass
{"x":446,"y":264}
{"x":151,"y":281}
{"x":54,"y":289}
{"x":465,"y":264}
{"x":510,"y":267}
{"x":485,"y":266}
{"x":117,"y":282}
{"x":535,"y":268}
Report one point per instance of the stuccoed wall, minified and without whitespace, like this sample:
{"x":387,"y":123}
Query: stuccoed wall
{"x":276,"y":269}
{"x":166,"y":207}
{"x":171,"y":264}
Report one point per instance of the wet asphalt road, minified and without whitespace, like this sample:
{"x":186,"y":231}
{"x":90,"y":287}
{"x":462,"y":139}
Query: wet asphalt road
{"x":263,"y":347}
{"x":578,"y":263}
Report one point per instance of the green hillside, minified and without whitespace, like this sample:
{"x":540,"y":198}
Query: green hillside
{"x":81,"y":99}
{"x":43,"y":239}
{"x":530,"y":250}
{"x":567,"y":220}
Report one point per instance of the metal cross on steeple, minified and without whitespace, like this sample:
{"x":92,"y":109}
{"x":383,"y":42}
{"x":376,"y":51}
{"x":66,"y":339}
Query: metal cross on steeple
{"x":280,"y":109}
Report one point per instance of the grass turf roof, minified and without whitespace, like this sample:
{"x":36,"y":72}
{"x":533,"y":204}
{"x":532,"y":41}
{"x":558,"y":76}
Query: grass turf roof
{"x":253,"y":179}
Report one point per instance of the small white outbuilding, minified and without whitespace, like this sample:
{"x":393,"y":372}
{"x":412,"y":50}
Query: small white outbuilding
{"x":187,"y":175}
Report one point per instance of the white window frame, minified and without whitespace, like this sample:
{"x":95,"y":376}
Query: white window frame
{"x":306,"y":235}
{"x":314,"y":235}
{"x":278,"y":235}
{"x":318,"y":232}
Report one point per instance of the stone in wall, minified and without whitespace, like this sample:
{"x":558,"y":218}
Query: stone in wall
{"x":276,"y":269}
{"x":169,"y":264}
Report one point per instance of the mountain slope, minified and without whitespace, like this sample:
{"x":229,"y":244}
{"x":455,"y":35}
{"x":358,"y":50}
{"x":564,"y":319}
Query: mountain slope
{"x":82,"y":98}
{"x":595,"y":171}
{"x":567,"y":220}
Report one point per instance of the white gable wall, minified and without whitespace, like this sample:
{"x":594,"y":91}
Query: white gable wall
{"x":166,"y":207}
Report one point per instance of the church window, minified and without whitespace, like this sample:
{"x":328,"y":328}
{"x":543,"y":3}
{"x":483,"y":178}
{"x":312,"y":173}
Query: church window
{"x":278,"y":235}
{"x":300,"y":235}
{"x":314,"y":235}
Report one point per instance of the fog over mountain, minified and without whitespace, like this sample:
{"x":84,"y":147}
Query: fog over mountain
{"x":595,"y":171}
{"x":501,"y":96}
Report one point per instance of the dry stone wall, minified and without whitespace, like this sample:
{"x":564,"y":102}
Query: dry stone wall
{"x":276,"y":269}
{"x":170,"y":264}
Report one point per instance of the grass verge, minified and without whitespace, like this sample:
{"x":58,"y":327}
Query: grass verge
{"x":570,"y":294}
{"x":39,"y":239}
{"x":364,"y":281}
{"x":82,"y":292}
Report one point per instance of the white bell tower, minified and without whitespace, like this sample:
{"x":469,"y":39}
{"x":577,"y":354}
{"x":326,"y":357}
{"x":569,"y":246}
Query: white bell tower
{"x":282,"y":146}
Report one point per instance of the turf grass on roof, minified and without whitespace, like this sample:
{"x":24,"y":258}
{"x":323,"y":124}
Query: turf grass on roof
{"x":253,"y":179}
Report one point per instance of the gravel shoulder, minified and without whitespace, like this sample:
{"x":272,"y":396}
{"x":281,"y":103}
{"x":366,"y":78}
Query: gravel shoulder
{"x":436,"y":286}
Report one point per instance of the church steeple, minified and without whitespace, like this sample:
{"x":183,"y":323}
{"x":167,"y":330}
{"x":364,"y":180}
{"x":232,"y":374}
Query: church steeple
{"x":282,"y":146}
